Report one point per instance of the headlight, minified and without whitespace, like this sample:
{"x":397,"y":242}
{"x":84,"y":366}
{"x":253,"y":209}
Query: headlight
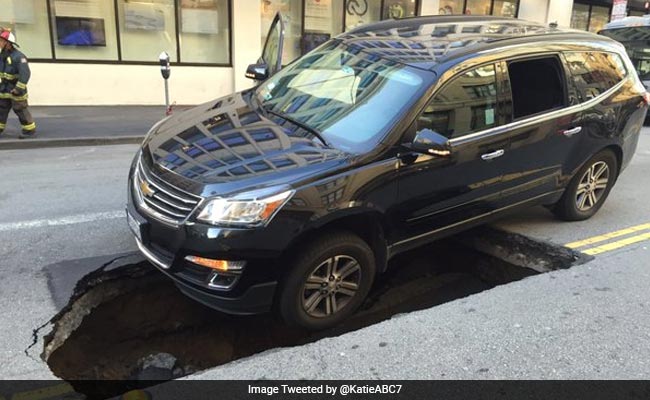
{"x":249,"y":209}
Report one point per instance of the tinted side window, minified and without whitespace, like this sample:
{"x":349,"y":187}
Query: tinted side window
{"x":537,"y":86}
{"x":466,"y":104}
{"x":595,"y":72}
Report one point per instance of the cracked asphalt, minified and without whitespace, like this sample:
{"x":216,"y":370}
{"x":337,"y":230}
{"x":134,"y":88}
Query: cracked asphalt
{"x":61,"y":217}
{"x":46,"y":188}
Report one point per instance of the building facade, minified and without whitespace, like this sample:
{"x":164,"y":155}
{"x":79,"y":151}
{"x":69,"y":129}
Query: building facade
{"x":104,"y":52}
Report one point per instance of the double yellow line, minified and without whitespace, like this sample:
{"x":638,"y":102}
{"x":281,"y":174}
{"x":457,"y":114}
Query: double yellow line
{"x":584,"y":245}
{"x":54,"y":391}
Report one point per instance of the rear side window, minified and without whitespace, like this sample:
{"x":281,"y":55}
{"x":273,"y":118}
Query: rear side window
{"x":594,"y":73}
{"x":537,"y":86}
{"x":467,"y":104}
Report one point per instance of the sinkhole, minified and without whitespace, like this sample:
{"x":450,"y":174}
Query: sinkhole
{"x":133,"y":324}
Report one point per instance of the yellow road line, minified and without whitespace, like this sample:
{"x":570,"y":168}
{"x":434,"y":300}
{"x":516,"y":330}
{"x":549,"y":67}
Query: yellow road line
{"x":607,"y":236}
{"x":46,"y":392}
{"x":618,"y":244}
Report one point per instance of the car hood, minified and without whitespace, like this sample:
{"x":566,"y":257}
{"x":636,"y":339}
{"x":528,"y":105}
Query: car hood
{"x":228,"y":145}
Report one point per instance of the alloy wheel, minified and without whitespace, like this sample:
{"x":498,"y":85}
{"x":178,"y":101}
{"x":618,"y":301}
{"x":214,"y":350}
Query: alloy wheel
{"x":592,"y":186}
{"x":331,"y":286}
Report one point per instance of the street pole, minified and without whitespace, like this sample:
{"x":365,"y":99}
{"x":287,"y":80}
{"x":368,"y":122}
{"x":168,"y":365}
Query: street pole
{"x":165,"y":70}
{"x":168,"y":109}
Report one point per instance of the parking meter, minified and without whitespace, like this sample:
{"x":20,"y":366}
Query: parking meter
{"x":165,"y":70}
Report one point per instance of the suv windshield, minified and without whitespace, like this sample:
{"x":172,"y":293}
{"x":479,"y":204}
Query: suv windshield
{"x":350,"y":97}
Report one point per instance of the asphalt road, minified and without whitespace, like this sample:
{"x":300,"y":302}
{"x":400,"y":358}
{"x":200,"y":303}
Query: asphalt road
{"x":65,"y":204}
{"x":57,"y":204}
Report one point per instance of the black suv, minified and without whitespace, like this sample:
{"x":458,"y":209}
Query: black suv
{"x":294,"y":195}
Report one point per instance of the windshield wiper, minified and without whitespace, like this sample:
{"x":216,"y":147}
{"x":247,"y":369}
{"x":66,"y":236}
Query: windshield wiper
{"x":308,"y":128}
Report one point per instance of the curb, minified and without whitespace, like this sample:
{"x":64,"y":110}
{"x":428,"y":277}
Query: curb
{"x":15,"y":144}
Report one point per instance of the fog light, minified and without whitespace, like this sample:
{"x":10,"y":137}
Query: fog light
{"x":219,"y":265}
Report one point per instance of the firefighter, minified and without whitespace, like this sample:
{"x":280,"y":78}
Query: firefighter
{"x":14,"y":71}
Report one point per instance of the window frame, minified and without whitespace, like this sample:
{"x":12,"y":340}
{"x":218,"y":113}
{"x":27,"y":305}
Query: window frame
{"x":565,"y":73}
{"x":498,"y":121}
{"x":120,"y":61}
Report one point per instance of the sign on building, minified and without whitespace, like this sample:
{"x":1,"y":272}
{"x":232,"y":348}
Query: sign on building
{"x":619,"y":9}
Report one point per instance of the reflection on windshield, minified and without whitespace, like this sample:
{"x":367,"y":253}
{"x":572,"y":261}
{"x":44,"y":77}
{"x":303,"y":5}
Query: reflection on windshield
{"x":351,"y":97}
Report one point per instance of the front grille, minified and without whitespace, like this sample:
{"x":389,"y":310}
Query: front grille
{"x":162,"y":200}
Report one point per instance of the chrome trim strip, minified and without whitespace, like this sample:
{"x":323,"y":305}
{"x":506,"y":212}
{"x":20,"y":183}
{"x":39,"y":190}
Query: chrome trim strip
{"x":150,"y":256}
{"x":539,"y":118}
{"x":198,"y":198}
{"x":139,"y":175}
{"x":447,"y":209}
{"x":162,"y":209}
{"x":215,"y":275}
{"x":157,"y":196}
{"x":471,"y":219}
{"x":166,"y":191}
{"x":160,"y":217}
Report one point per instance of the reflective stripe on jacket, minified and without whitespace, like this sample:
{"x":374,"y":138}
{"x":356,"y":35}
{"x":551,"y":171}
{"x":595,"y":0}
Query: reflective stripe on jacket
{"x":14,"y":73}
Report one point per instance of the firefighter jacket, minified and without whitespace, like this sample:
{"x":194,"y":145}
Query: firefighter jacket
{"x":15,"y":73}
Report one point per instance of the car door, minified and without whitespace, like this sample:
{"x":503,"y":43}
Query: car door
{"x":437,"y":193}
{"x":544,"y":124}
{"x":271,"y":60}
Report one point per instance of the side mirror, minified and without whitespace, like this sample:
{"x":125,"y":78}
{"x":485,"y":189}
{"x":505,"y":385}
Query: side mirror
{"x":259,"y":72}
{"x":429,"y":142}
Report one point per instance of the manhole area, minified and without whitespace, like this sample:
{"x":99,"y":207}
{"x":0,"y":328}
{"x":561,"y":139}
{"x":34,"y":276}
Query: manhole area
{"x":138,"y":326}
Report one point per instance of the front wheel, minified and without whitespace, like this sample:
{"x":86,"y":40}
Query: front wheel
{"x":327,"y":281}
{"x":589,"y":188}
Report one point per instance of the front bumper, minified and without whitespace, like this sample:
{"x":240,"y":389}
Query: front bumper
{"x":255,"y":300}
{"x":166,"y":247}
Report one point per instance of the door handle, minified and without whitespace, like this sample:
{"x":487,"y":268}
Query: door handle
{"x":493,"y":155}
{"x":572,"y":131}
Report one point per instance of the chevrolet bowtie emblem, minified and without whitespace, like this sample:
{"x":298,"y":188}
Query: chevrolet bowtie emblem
{"x":146,"y":189}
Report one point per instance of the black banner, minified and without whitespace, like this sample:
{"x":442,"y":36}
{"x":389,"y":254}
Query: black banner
{"x":407,"y":390}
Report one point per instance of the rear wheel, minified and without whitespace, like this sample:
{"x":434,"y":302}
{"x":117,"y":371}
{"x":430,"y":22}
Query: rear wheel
{"x":589,"y":188}
{"x":327,"y":281}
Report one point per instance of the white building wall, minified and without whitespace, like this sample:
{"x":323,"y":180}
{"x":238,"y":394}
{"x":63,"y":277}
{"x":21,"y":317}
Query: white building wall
{"x":246,"y":43}
{"x":547,"y":11}
{"x":112,"y":84}
{"x":533,"y":10}
{"x":429,"y":7}
{"x":105,"y":84}
{"x":560,"y":11}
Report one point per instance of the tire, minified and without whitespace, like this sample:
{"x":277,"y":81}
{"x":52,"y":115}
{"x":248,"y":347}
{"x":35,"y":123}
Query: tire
{"x":575,"y":206}
{"x":324,"y":302}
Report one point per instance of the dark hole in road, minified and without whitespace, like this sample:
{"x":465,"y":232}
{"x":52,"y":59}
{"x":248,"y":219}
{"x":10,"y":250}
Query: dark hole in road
{"x":132,"y":323}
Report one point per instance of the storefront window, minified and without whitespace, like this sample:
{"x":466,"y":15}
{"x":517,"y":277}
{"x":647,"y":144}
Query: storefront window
{"x":84,"y":29}
{"x":292,"y":13}
{"x":580,"y":17}
{"x":204,"y":31}
{"x":399,"y":9}
{"x":478,"y":7}
{"x":449,"y":7}
{"x":505,"y":8}
{"x":147,"y":29}
{"x":599,"y":18}
{"x":360,"y":12}
{"x":323,"y":20}
{"x":28,"y":21}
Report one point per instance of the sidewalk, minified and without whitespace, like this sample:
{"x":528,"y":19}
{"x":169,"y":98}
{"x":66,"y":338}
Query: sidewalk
{"x":84,"y":125}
